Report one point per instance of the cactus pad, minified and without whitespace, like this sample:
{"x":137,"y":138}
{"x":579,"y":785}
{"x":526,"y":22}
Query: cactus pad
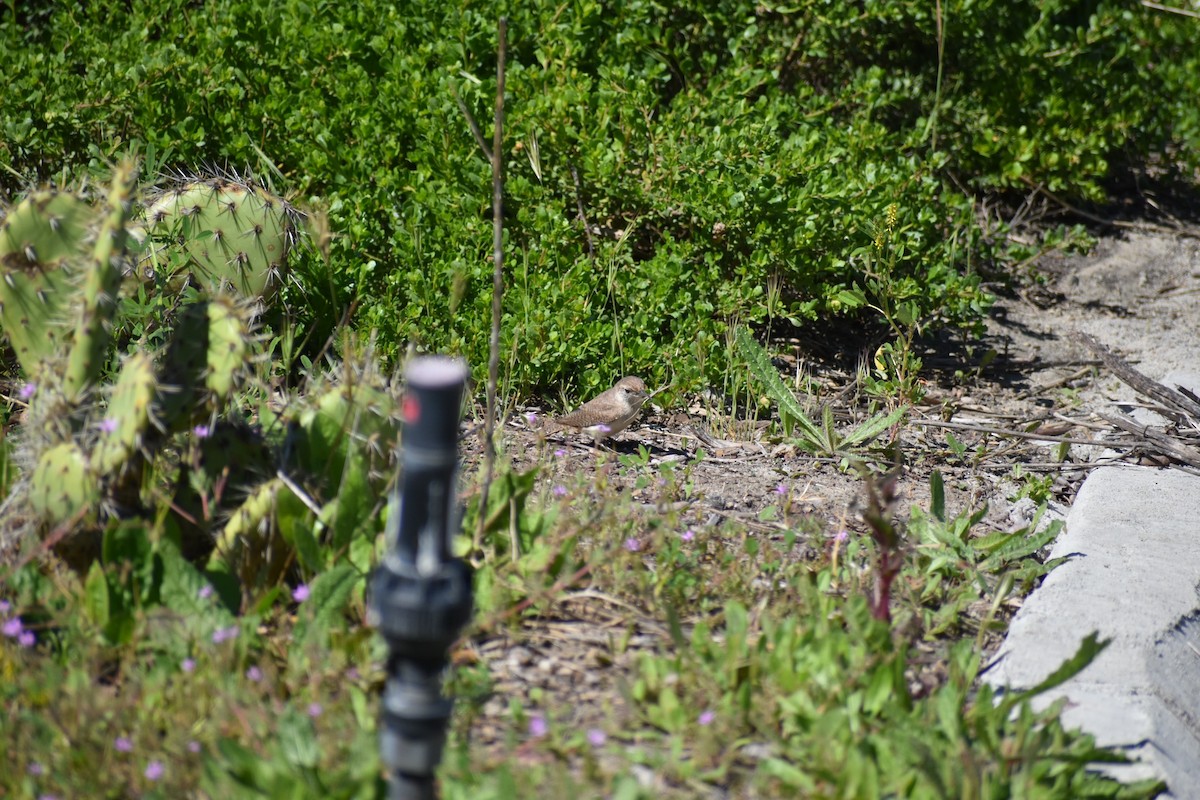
{"x":62,"y":484}
{"x":40,"y":243}
{"x":101,"y":279}
{"x":228,"y":345}
{"x":208,"y":352}
{"x":347,"y":418}
{"x":128,"y":414}
{"x":235,"y":234}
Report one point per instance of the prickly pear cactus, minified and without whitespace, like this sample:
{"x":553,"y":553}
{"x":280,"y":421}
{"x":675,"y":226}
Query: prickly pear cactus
{"x":235,"y":234}
{"x":183,"y":437}
{"x":41,"y":242}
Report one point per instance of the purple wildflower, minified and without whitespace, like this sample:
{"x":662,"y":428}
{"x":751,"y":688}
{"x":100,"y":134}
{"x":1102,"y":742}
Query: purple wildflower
{"x":632,"y":544}
{"x":26,"y":639}
{"x":300,"y":593}
{"x":36,"y":769}
{"x":202,"y":431}
{"x":560,"y":491}
{"x":193,"y":746}
{"x":13,"y":627}
{"x":538,"y":726}
{"x":597,"y":737}
{"x":254,"y":674}
{"x":5,"y":606}
{"x":107,"y":425}
{"x":154,"y":770}
{"x":188,"y":664}
{"x":224,"y":634}
{"x":706,"y":718}
{"x":315,"y":710}
{"x":781,"y":489}
{"x":531,"y":417}
{"x":559,"y":453}
{"x":206,"y":591}
{"x":123,"y":744}
{"x":26,"y":391}
{"x":688,"y":535}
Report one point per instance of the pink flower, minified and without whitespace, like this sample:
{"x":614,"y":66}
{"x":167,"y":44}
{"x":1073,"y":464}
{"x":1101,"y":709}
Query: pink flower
{"x":188,"y":664}
{"x":123,"y":744}
{"x":108,"y":425}
{"x":300,"y":593}
{"x":531,"y":417}
{"x":202,"y":431}
{"x":26,"y":391}
{"x":254,"y":674}
{"x":26,"y":639}
{"x":597,"y":737}
{"x":315,"y":710}
{"x":12,"y":627}
{"x":781,"y":489}
{"x":632,"y":544}
{"x":154,"y":770}
{"x":193,"y":746}
{"x":206,"y":591}
{"x":559,"y":453}
{"x":688,"y":535}
{"x":538,"y":726}
{"x":706,"y":718}
{"x":560,"y":491}
{"x":224,"y":634}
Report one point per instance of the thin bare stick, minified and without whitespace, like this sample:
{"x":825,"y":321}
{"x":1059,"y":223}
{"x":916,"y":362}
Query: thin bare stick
{"x":1171,"y":9}
{"x":1030,"y":435}
{"x":1142,"y":227}
{"x":587,"y":228}
{"x":489,"y":425}
{"x":1174,"y":400}
{"x":474,"y":126}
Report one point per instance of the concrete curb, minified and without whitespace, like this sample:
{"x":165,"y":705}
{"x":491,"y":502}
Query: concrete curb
{"x":1133,"y":538}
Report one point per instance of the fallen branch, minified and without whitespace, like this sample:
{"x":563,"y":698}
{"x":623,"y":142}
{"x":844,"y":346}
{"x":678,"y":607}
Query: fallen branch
{"x":1173,"y":399}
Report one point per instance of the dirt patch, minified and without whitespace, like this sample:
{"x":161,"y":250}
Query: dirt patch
{"x":1006,"y":420}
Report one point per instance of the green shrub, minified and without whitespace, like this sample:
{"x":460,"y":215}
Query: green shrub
{"x":732,"y":143}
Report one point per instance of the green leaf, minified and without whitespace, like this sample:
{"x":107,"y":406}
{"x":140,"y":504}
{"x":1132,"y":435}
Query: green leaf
{"x":297,"y":740}
{"x":761,"y":368}
{"x":937,"y":496}
{"x":95,"y":595}
{"x":873,"y":427}
{"x":296,"y":523}
{"x":327,"y":597}
{"x":1089,"y":648}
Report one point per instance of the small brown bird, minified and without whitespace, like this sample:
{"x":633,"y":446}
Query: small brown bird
{"x":610,"y":412}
